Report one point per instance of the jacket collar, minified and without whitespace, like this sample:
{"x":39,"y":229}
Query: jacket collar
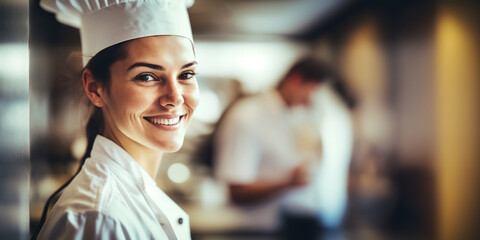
{"x":112,"y":154}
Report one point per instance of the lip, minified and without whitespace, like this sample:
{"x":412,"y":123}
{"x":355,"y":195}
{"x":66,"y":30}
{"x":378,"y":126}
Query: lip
{"x":158,"y":118}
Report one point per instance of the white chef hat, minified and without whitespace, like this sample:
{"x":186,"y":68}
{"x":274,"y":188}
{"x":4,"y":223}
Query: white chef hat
{"x":104,"y":23}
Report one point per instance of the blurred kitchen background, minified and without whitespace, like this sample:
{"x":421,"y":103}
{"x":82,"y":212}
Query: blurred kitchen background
{"x":410,"y":67}
{"x":14,"y":120}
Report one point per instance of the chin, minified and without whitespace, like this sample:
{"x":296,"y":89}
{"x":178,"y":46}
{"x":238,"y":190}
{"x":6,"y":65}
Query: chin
{"x":171,"y":146}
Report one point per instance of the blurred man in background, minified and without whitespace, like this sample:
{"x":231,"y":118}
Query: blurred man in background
{"x":272,"y":149}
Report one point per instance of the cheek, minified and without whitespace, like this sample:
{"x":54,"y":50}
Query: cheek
{"x":192,"y":97}
{"x":129,"y":101}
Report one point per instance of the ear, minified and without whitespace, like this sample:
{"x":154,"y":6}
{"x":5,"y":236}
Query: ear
{"x":93,"y":89}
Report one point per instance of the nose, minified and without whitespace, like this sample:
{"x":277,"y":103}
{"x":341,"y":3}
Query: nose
{"x":171,"y":95}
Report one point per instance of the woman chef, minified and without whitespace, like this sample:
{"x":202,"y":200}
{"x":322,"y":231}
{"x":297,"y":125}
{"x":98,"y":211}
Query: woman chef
{"x":140,"y":75}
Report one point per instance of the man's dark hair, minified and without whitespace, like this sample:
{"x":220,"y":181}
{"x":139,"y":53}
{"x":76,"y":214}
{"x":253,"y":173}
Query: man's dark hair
{"x":312,"y":70}
{"x":317,"y":71}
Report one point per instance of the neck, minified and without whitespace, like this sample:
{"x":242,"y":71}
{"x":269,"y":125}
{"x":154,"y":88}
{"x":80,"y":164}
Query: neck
{"x":147,"y":158}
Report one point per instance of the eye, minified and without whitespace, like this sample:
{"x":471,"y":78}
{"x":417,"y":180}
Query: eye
{"x":145,"y":77}
{"x":186,"y":75}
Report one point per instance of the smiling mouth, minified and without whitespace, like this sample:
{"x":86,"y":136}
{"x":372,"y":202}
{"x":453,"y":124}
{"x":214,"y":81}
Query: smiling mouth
{"x":164,"y":121}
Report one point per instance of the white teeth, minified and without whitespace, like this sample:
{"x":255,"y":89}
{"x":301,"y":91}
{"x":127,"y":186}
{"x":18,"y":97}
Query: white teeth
{"x":163,"y":121}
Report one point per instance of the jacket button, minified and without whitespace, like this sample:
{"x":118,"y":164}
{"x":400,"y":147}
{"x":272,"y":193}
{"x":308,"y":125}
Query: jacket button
{"x":180,"y":220}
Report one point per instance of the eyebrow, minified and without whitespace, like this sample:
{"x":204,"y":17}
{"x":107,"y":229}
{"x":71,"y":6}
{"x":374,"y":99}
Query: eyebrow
{"x":189,"y":64}
{"x":157,"y":67}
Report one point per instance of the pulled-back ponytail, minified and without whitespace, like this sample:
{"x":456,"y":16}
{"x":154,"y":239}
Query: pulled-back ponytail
{"x":94,"y":127}
{"x":99,"y":66}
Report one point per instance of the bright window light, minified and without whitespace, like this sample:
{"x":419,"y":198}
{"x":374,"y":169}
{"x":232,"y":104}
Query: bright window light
{"x":209,"y":108}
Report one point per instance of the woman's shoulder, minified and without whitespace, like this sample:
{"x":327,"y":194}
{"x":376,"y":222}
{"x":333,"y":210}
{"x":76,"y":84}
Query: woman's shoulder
{"x":71,"y":224}
{"x":94,"y":206}
{"x":87,"y":193}
{"x":83,"y":193}
{"x":92,"y":224}
{"x":103,"y":188}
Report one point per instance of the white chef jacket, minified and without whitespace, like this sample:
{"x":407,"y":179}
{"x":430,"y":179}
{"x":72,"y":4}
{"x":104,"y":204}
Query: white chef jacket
{"x":258,"y":141}
{"x":255,"y":142}
{"x":114,"y":198}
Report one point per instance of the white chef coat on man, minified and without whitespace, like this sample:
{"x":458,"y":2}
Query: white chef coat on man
{"x":114,"y":198}
{"x":263,"y":139}
{"x":255,"y":143}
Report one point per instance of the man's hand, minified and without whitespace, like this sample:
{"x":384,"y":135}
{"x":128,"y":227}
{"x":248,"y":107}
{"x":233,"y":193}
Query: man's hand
{"x":300,"y":176}
{"x":257,"y":192}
